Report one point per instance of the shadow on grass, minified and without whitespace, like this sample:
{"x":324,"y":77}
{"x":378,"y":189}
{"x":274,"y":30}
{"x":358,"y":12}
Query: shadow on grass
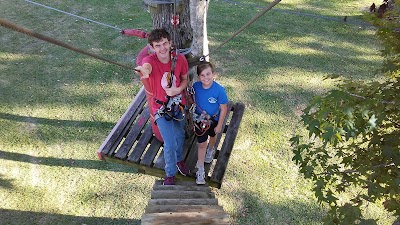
{"x":5,"y":183}
{"x":18,"y":217}
{"x":285,"y":212}
{"x":56,"y":130}
{"x":55,"y":122}
{"x":64,"y":162}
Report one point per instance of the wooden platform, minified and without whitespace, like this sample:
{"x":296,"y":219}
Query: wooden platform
{"x":183,"y":203}
{"x":131,"y":142}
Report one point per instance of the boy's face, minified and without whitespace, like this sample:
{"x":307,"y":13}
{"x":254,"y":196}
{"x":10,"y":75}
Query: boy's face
{"x":162,"y":49}
{"x":206,"y":77}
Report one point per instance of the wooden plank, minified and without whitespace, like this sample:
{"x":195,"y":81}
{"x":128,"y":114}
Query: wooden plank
{"x":186,"y":146}
{"x":160,"y":162}
{"x":182,"y":208}
{"x":210,"y":166}
{"x":178,"y":187}
{"x":152,"y":171}
{"x":191,"y":159}
{"x":151,"y":152}
{"x":187,"y":218}
{"x":141,"y":145}
{"x":229,"y":141}
{"x":197,"y":201}
{"x":173,"y":194}
{"x":179,"y":182}
{"x":218,"y":139}
{"x":133,"y":134}
{"x":117,"y":132}
{"x":127,"y":127}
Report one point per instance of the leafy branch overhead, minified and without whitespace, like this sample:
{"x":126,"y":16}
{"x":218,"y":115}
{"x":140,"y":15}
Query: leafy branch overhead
{"x":354,"y":137}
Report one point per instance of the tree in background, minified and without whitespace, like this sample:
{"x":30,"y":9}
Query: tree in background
{"x":191,"y":29}
{"x":353,"y":145}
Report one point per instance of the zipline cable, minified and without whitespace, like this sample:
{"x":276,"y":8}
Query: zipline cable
{"x":31,"y":33}
{"x":252,"y":20}
{"x":80,"y":17}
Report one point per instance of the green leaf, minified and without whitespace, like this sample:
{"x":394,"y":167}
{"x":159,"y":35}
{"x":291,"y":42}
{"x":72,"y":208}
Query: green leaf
{"x":328,"y":133}
{"x":295,"y":140}
{"x":372,"y":122}
{"x":364,"y":113}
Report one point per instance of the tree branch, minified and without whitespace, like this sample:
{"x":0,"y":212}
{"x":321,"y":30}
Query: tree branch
{"x":356,"y":171}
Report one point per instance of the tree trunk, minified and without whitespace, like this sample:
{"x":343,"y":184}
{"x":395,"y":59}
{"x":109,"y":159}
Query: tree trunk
{"x":162,"y":15}
{"x":198,"y":20}
{"x":191,"y":32}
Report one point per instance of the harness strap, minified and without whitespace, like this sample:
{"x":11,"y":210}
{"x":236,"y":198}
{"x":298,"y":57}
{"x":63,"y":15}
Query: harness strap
{"x":201,"y":122}
{"x":169,"y":108}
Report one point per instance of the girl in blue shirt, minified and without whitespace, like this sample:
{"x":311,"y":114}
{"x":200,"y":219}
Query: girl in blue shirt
{"x":211,"y":101}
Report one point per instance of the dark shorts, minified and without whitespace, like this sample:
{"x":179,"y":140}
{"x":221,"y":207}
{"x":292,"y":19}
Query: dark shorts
{"x":210,"y":132}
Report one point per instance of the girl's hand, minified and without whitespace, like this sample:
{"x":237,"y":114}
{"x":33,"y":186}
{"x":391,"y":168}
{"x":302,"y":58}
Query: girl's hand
{"x":218,"y":129}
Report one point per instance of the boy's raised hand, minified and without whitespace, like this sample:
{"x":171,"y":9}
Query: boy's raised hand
{"x":144,"y":71}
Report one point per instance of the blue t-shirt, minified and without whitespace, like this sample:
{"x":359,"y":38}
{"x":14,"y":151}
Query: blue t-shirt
{"x":209,"y":99}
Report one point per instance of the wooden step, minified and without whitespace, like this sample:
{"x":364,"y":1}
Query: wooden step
{"x":187,"y":218}
{"x":198,"y":201}
{"x":183,"y":203}
{"x":152,"y":208}
{"x":180,"y":182}
{"x":174,"y":194}
{"x":182,"y":188}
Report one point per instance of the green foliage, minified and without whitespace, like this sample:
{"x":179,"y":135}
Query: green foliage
{"x":354,"y":138}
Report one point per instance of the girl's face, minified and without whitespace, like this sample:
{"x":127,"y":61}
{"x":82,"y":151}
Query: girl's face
{"x":206,"y":78}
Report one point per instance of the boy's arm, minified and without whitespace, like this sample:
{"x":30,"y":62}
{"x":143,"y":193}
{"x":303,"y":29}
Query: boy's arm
{"x":184,"y":78}
{"x":172,"y":91}
{"x":222,"y":114}
{"x":144,"y":70}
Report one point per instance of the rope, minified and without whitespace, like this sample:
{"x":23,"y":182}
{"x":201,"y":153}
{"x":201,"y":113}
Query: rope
{"x":80,"y":17}
{"x":20,"y":29}
{"x":252,"y":20}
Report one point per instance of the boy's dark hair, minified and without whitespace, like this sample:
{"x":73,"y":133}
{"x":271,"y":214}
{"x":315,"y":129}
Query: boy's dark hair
{"x":157,"y":35}
{"x":204,"y":65}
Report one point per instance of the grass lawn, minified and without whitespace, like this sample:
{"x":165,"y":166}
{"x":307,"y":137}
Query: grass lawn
{"x":57,"y":106}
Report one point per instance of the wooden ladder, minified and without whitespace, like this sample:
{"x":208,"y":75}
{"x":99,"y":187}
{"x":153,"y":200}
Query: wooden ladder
{"x":183,"y":203}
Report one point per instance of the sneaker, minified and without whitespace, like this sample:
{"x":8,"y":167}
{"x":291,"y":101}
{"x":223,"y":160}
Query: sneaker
{"x":200,"y":177}
{"x":209,"y":155}
{"x":169,"y":181}
{"x":182,"y":168}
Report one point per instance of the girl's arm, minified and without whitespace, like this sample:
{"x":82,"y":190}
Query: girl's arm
{"x":222,"y":114}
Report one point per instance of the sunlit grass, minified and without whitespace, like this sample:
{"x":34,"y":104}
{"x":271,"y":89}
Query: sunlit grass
{"x":57,"y":107}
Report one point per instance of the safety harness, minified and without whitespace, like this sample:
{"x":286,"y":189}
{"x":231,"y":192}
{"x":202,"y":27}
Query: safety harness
{"x":171,"y":108}
{"x":200,"y":123}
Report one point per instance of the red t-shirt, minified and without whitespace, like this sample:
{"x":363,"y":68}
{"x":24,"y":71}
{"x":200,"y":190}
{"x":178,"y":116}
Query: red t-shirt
{"x":142,"y":54}
{"x":157,"y":77}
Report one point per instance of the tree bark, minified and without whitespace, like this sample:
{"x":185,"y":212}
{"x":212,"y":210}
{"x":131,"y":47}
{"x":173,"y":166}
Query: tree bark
{"x":198,"y":20}
{"x":162,"y":16}
{"x":191,"y":32}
